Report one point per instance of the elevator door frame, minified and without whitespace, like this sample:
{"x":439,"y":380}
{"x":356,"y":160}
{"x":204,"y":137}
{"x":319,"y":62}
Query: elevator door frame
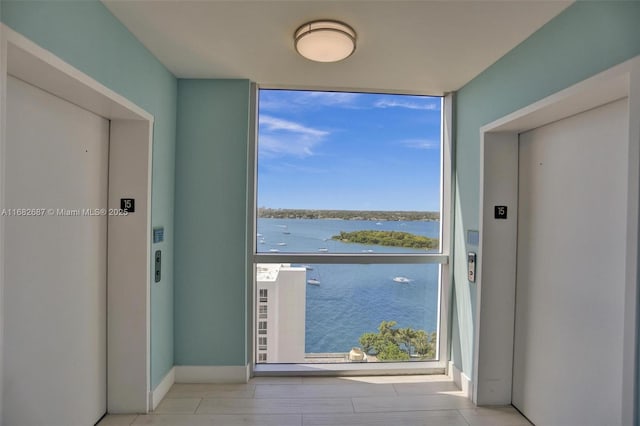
{"x":497,"y":255}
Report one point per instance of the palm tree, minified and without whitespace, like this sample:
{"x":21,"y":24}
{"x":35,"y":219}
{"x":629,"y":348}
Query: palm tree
{"x":407,"y":337}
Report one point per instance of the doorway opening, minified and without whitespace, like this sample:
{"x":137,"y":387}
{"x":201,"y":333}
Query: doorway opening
{"x":128,"y":236}
{"x":494,"y":375}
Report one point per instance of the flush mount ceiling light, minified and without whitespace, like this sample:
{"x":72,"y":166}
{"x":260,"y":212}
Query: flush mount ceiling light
{"x":325,"y":40}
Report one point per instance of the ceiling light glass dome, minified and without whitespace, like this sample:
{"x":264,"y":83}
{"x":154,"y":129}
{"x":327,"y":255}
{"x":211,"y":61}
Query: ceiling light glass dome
{"x":325,"y":40}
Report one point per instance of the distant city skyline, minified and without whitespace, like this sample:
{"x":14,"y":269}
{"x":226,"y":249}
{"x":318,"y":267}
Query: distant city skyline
{"x":348,"y":151}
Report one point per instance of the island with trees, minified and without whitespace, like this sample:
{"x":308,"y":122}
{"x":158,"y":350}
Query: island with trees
{"x":269,"y":213}
{"x":388,"y":238}
{"x":391,"y":343}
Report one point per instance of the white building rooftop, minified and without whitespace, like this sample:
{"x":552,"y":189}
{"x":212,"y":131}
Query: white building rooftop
{"x":268,"y":272}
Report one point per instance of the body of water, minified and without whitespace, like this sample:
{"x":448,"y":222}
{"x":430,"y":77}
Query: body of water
{"x":353,"y":299}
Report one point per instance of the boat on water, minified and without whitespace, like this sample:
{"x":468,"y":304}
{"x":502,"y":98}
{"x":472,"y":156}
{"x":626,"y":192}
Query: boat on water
{"x":378,"y":223}
{"x":282,"y":244}
{"x":402,"y":280}
{"x":287,"y":233}
{"x":274,"y":250}
{"x":313,"y":281}
{"x":258,"y":235}
{"x":323,"y":250}
{"x":367,"y":251}
{"x":262,"y":241}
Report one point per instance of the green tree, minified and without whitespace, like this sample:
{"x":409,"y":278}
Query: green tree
{"x":392,"y":352}
{"x":371,"y":343}
{"x":407,"y":337}
{"x":399,"y":344}
{"x":387,"y":331}
{"x":425,"y":344}
{"x":387,"y":238}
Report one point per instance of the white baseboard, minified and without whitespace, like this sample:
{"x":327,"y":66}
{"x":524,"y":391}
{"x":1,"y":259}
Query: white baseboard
{"x":461,"y":380}
{"x":161,"y":390}
{"x":212,"y":374}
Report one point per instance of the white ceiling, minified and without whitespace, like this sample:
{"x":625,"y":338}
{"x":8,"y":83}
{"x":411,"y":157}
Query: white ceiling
{"x":419,"y":46}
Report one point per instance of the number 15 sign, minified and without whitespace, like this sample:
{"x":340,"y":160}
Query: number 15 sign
{"x":128,"y":205}
{"x":500,"y":212}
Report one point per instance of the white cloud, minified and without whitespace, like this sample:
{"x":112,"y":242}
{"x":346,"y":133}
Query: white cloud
{"x":338,"y":99}
{"x":272,"y":124}
{"x":280,"y":137}
{"x":421,"y":144}
{"x":414,"y":103}
{"x":308,"y":100}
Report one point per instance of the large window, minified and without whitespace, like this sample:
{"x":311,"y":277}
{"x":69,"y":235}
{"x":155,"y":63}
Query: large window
{"x":350,"y":240}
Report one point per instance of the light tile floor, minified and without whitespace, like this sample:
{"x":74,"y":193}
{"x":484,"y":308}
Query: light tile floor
{"x":322,"y":401}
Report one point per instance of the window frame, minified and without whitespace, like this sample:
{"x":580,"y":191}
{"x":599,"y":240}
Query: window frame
{"x":441,"y":258}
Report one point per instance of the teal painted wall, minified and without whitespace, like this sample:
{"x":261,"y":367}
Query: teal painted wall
{"x":211,"y":222}
{"x":86,"y":35}
{"x":588,"y":37}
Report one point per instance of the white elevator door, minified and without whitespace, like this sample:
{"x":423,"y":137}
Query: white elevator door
{"x":55,"y":294}
{"x":571,"y":269}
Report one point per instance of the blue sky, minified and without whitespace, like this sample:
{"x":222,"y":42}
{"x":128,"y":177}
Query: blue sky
{"x":348,"y":151}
